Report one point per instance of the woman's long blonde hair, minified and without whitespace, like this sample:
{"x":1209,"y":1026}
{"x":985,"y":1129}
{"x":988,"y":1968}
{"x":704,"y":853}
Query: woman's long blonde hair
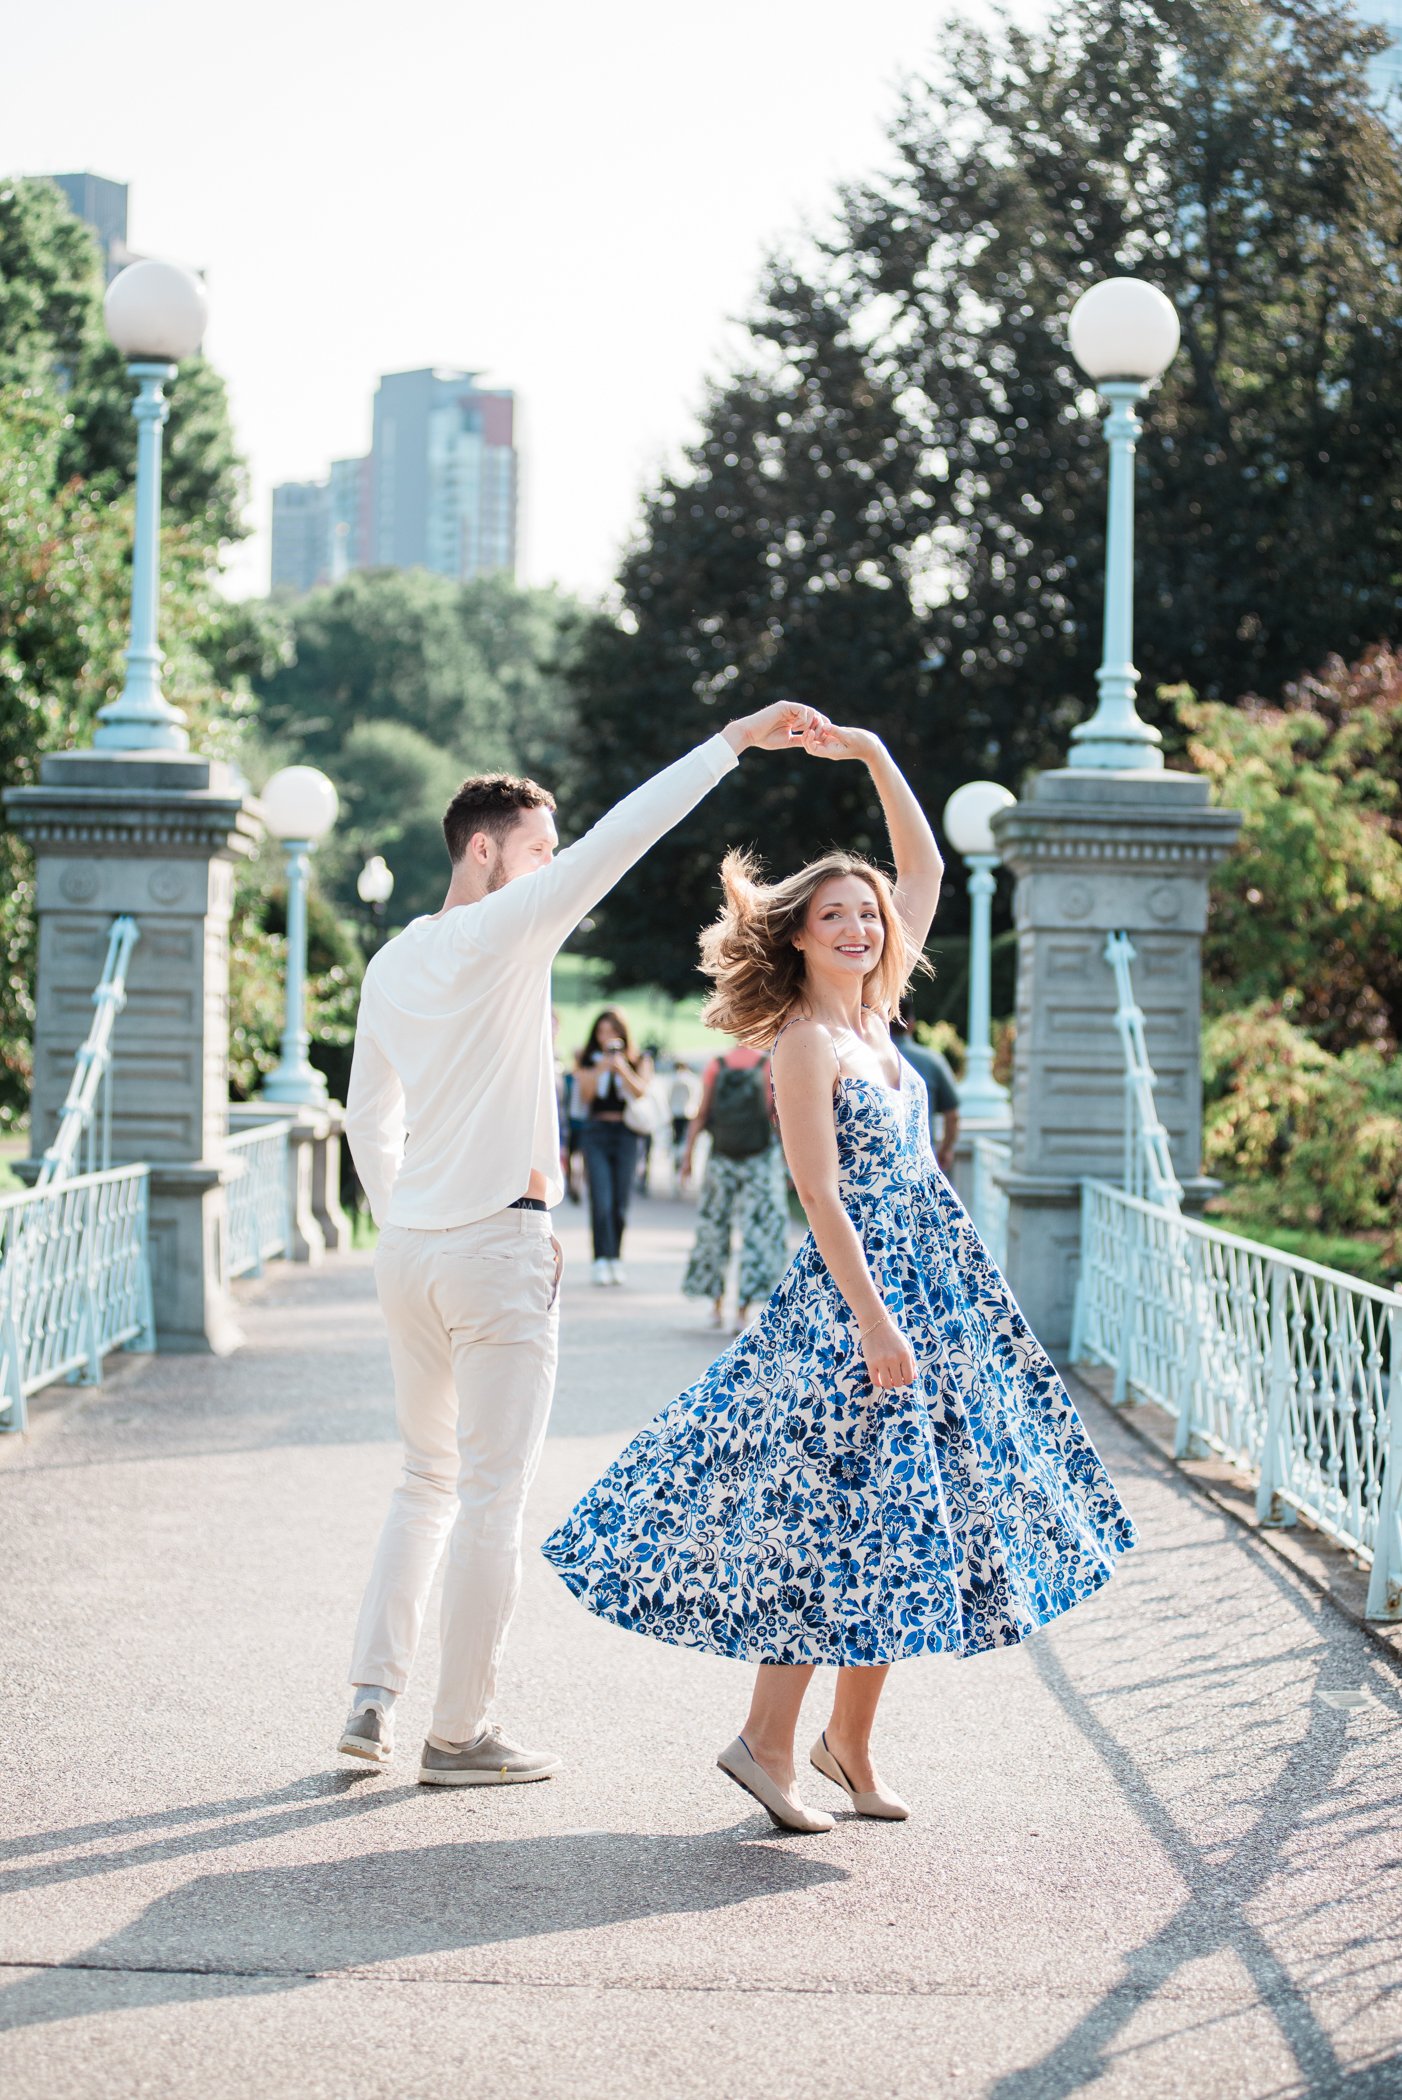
{"x":750,"y":956}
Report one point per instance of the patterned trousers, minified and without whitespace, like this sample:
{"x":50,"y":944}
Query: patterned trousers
{"x":750,"y":1194}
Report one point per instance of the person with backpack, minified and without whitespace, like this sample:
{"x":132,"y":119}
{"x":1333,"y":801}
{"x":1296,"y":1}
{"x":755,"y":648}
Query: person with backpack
{"x":743,"y":1188}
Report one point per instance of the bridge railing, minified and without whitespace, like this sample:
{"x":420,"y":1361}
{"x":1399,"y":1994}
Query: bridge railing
{"x":989,"y":1160}
{"x":74,"y":1282}
{"x":1261,"y":1357}
{"x":257,"y":1196}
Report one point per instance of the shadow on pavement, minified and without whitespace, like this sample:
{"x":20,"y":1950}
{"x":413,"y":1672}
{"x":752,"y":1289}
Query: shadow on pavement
{"x":280,"y":1927}
{"x":322,"y":1798}
{"x":1266,"y":1830}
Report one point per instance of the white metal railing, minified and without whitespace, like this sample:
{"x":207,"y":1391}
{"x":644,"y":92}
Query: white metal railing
{"x":1148,"y":1164}
{"x":257,"y":1197}
{"x":1271,"y":1361}
{"x":88,"y":1105}
{"x":74,"y":1282}
{"x":989,"y":1160}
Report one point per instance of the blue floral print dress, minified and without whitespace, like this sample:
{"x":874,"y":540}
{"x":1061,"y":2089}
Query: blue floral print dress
{"x":785,"y":1510}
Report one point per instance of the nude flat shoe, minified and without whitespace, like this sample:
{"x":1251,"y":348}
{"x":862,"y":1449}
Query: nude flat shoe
{"x":783,"y":1809}
{"x":880,"y":1803}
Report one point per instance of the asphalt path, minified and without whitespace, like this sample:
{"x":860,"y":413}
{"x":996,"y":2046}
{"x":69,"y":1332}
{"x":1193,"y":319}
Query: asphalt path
{"x":1154,"y":1852}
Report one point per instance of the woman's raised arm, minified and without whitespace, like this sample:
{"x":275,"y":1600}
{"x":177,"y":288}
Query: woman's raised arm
{"x":919,"y":866}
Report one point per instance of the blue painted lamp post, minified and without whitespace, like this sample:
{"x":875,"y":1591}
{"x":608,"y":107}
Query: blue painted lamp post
{"x":968,"y":817}
{"x":299,"y":807}
{"x":156,"y":316}
{"x":1124,"y":334}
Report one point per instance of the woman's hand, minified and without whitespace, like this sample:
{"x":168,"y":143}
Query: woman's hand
{"x":782,"y":727}
{"x":888,"y":1355}
{"x":828,"y":740}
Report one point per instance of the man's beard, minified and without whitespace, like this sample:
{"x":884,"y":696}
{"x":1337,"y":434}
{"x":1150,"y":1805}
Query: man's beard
{"x":496,"y":876}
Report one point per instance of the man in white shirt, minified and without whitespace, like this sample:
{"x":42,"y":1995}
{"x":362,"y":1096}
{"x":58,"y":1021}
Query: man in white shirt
{"x":452,"y":1123}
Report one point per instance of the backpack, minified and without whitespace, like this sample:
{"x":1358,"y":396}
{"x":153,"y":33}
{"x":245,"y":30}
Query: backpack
{"x":739,"y":1115}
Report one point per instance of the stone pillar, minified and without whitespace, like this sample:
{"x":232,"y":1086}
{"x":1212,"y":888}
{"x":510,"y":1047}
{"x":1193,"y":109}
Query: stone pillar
{"x":1096,"y":852}
{"x":155,"y":835}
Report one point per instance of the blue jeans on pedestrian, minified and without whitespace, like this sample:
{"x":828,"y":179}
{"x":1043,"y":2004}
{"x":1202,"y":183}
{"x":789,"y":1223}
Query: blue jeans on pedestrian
{"x":611,"y":1162}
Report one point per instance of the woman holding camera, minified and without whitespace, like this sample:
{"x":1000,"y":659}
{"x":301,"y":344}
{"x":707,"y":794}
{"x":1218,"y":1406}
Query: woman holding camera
{"x":611,"y":1074}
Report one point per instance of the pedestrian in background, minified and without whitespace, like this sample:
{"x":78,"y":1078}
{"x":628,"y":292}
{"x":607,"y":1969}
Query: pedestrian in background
{"x":612,"y":1075}
{"x":743,"y":1189}
{"x":940,"y":1085}
{"x":683,"y":1100}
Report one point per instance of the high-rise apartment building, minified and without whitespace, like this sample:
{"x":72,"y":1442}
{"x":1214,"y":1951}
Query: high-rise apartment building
{"x":102,"y":204}
{"x":301,"y":536}
{"x":1386,"y":68}
{"x":444,"y":474}
{"x":437,"y":491}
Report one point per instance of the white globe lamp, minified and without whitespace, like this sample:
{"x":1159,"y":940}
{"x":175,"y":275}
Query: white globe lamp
{"x":969,"y":814}
{"x":156,"y":313}
{"x":1124,"y":335}
{"x":374,"y":885}
{"x":968,"y":822}
{"x":156,"y":316}
{"x":299,"y":806}
{"x":1124,"y":328}
{"x":299,"y":803}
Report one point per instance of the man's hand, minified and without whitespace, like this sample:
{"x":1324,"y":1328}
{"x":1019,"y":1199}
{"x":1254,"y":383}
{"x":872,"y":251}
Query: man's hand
{"x":826,"y":740}
{"x":785,"y":726}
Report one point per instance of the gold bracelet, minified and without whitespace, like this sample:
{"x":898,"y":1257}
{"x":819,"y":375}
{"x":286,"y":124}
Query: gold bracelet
{"x":863,"y":1332}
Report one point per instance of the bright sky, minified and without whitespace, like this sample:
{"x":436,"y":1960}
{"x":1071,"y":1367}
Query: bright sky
{"x":574,"y":200}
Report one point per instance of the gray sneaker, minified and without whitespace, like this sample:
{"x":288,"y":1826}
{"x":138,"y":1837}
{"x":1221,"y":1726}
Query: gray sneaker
{"x":489,"y":1761}
{"x":368,"y":1734}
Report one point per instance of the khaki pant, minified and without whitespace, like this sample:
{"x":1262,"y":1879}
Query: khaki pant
{"x":473,"y":1336}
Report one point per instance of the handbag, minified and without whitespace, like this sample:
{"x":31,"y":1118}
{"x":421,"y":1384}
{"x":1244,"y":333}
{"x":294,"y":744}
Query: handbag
{"x":644,"y":1114}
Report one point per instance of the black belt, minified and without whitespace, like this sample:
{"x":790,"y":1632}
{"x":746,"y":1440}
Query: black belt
{"x":528,"y":1203}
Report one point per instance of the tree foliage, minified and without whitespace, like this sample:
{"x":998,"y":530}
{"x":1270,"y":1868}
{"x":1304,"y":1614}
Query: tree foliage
{"x":53,"y":343}
{"x":1306,"y":1138}
{"x":897,"y":509}
{"x":400,"y":682}
{"x":1308,"y":909}
{"x":64,"y":590}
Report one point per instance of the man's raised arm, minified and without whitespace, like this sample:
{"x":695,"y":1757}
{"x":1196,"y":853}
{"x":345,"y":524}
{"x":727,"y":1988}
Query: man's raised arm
{"x":536,"y":913}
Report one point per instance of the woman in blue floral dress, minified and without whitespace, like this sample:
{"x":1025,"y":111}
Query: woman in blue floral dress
{"x":886,"y":1464}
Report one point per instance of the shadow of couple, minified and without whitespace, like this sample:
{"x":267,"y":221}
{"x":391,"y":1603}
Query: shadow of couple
{"x":277,"y":1928}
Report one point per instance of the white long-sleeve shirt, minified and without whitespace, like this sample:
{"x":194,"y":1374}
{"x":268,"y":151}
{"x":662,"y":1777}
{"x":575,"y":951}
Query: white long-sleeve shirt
{"x":452,"y":1041}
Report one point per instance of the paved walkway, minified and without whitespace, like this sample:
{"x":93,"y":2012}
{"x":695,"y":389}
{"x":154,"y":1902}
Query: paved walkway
{"x":1150,"y":1856}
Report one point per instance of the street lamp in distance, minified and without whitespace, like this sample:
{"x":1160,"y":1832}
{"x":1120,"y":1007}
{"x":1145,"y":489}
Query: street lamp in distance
{"x":299,"y":807}
{"x":156,"y":316}
{"x":1124,"y":336}
{"x":374,"y":886}
{"x":968,"y":817}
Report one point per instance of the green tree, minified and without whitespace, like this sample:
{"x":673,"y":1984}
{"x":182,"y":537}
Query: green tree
{"x":897,"y":508}
{"x":1308,"y":909}
{"x":52,"y":341}
{"x":64,"y":589}
{"x":1305,"y":1139}
{"x":400,"y":682}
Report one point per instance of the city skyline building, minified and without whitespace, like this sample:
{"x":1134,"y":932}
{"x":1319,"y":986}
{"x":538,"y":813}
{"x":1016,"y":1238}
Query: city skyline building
{"x":301,"y":537}
{"x":101,"y":204}
{"x":437,"y":490}
{"x":1386,"y":69}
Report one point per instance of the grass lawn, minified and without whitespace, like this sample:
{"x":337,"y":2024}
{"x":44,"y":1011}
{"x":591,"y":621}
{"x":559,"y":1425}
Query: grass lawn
{"x":674,"y":1024}
{"x":14,"y":1145}
{"x":1372,"y":1259}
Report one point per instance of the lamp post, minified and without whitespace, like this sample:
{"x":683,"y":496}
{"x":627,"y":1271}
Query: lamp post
{"x":1124,"y":334}
{"x":374,"y":885}
{"x":156,"y":316}
{"x":299,"y":807}
{"x":968,"y":818}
